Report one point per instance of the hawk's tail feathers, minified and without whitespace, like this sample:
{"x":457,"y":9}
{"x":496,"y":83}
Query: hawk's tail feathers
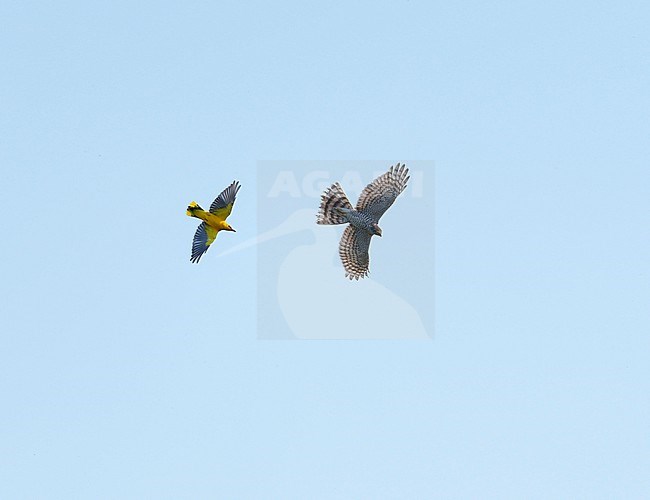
{"x":192,"y":207}
{"x":333,"y":205}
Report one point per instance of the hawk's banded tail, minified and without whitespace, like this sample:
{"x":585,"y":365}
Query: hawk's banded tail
{"x":333,"y":199}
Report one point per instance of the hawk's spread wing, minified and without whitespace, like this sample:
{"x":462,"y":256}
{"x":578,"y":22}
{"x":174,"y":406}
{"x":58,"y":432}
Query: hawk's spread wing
{"x":203,"y":238}
{"x":353,"y":250}
{"x":222,"y":205}
{"x":381,"y":193}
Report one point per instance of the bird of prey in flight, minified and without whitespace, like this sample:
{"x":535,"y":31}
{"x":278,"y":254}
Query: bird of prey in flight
{"x":213,"y":221}
{"x":376,"y":198}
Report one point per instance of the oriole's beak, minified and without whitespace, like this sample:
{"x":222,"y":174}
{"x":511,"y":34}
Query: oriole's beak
{"x":233,"y":230}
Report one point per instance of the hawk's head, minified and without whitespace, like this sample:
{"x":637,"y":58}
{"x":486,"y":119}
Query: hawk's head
{"x":376,"y":230}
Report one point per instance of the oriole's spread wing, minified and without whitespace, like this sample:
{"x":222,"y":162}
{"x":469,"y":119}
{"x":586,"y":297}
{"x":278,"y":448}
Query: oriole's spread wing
{"x":222,"y":205}
{"x":381,"y":193}
{"x":353,"y":250}
{"x":203,"y":238}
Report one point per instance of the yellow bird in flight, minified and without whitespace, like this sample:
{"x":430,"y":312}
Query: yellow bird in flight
{"x":213,"y":221}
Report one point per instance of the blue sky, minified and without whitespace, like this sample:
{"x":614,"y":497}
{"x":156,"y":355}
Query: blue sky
{"x":127,"y":372}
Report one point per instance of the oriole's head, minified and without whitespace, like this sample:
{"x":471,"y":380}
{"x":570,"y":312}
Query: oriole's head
{"x":230,"y":228}
{"x":376,"y":230}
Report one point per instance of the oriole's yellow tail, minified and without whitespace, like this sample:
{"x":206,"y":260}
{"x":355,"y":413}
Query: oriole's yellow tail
{"x":192,"y":207}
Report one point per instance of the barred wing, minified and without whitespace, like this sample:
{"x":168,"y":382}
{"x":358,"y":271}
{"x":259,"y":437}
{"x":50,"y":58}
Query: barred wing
{"x":203,"y":238}
{"x":222,"y":205}
{"x":353,"y":250}
{"x":381,"y":193}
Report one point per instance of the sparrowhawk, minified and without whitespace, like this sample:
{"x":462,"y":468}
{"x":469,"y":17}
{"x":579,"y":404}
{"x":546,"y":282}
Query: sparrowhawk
{"x":376,"y":198}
